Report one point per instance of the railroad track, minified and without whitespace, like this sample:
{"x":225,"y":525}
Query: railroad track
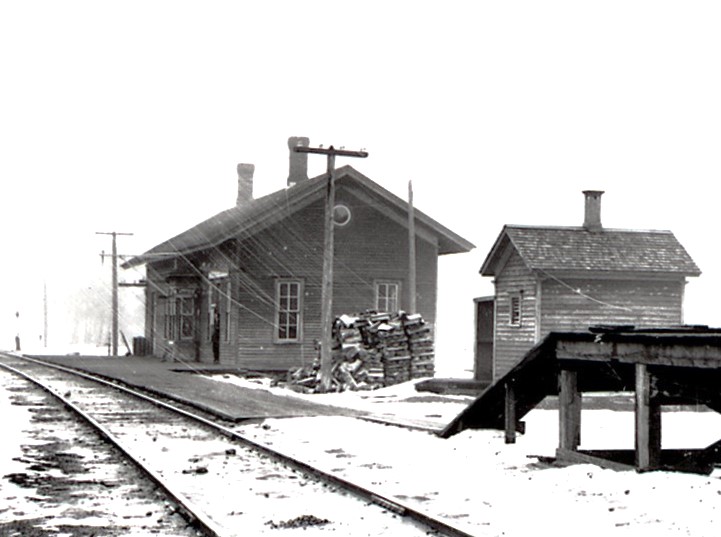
{"x":222,"y":481}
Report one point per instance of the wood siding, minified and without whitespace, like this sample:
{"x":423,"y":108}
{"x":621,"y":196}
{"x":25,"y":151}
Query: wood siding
{"x":576,"y":304}
{"x":512,"y":342}
{"x":371,"y":247}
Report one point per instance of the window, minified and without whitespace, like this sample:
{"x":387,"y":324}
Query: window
{"x":289,"y":295}
{"x":169,"y":321}
{"x":187,"y":311}
{"x":514,"y":316}
{"x":341,"y":215}
{"x":179,"y":320}
{"x":387,"y":296}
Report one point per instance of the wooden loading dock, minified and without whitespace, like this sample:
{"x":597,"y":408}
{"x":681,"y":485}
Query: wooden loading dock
{"x":661,"y":366}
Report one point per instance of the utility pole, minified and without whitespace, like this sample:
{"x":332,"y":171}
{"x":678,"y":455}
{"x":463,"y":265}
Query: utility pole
{"x":411,"y":251}
{"x":326,"y":314}
{"x":114,"y":314}
{"x":45,"y":314}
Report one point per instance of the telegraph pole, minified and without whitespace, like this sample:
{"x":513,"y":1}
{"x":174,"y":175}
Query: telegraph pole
{"x":45,"y":314}
{"x":114,"y":340}
{"x":326,"y":314}
{"x":411,"y":251}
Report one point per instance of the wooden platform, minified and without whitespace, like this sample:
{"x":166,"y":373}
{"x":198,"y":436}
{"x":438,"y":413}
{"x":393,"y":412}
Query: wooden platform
{"x":670,"y":366}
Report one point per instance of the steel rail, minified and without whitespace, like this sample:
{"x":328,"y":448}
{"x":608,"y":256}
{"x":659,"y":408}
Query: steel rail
{"x":331,"y":479}
{"x":188,"y":509}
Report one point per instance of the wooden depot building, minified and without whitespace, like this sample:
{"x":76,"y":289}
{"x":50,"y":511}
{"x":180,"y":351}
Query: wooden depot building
{"x":245,"y":284}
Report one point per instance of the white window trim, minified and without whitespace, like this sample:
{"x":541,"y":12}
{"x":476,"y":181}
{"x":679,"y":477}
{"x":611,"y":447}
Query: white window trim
{"x":276,"y":324}
{"x":181,"y":298}
{"x":376,"y":289}
{"x":512,"y":297}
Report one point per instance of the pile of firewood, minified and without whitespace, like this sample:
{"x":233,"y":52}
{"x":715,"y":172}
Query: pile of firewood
{"x":372,"y":350}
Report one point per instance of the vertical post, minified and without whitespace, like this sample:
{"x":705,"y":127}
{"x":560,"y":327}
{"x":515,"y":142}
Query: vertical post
{"x":17,"y":335}
{"x":510,"y":414}
{"x":327,"y":281}
{"x":326,"y":315}
{"x":114,"y":307}
{"x":45,"y":314}
{"x":411,"y":251}
{"x":115,"y":296}
{"x":648,"y":422}
{"x":569,"y":411}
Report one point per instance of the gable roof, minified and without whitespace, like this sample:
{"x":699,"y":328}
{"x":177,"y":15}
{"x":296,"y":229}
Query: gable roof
{"x":578,"y":249}
{"x":249,"y":218}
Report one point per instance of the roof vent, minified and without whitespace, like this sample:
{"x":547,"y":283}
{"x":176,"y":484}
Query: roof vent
{"x":592,"y":217}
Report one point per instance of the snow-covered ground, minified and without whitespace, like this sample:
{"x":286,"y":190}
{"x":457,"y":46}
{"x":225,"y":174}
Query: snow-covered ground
{"x":486,"y":487}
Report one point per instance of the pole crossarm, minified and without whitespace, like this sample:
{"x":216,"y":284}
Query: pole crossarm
{"x":331,"y":151}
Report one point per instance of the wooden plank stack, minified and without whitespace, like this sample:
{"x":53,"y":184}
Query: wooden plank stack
{"x":371,"y":350}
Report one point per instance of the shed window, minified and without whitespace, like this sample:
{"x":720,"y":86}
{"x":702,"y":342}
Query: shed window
{"x":289,"y":308}
{"x":387,"y":296}
{"x":514,"y":317}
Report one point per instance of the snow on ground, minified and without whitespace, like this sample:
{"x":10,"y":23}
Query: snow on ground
{"x":480,"y":484}
{"x":486,"y":487}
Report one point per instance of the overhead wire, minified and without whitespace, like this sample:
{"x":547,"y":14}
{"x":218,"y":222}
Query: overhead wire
{"x":580,"y":293}
{"x":253,"y":248}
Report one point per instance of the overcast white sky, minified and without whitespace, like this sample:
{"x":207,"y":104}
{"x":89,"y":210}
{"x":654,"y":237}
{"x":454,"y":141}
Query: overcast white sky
{"x":131,"y":116}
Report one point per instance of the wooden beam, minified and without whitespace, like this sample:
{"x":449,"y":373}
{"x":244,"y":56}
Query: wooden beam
{"x":581,"y":457}
{"x":510,"y":414}
{"x":648,"y":422}
{"x":569,"y":411}
{"x":672,"y":353}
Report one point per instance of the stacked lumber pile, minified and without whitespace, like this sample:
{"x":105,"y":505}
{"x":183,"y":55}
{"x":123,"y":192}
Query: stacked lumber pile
{"x":372,"y":350}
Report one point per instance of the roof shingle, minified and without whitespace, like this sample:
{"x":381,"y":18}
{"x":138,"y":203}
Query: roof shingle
{"x":609,"y":250}
{"x":248,"y":218}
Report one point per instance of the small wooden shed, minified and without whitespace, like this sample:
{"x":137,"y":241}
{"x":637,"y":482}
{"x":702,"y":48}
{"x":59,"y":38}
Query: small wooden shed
{"x":569,"y":278}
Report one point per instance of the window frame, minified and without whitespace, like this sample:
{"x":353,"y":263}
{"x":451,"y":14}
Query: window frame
{"x":388,"y":284}
{"x":185,"y":314}
{"x":515,"y":310}
{"x":280,"y":284}
{"x":169,"y":319}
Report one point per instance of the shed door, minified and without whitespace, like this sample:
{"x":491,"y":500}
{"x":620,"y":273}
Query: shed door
{"x":483,"y":367}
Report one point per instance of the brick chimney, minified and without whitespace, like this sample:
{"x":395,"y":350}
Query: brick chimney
{"x":298,"y":169}
{"x":245,"y":183}
{"x":592,"y":217}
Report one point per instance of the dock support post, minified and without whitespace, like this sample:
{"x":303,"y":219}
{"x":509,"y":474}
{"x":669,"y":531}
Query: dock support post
{"x":648,"y":422}
{"x":510,"y":414}
{"x":569,"y":411}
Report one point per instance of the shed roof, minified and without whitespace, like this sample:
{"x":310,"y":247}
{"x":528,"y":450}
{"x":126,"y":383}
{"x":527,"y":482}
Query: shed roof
{"x":257,"y":214}
{"x":578,"y":249}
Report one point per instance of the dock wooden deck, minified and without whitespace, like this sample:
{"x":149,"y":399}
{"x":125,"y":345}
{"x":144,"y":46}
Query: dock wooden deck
{"x":669,"y":366}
